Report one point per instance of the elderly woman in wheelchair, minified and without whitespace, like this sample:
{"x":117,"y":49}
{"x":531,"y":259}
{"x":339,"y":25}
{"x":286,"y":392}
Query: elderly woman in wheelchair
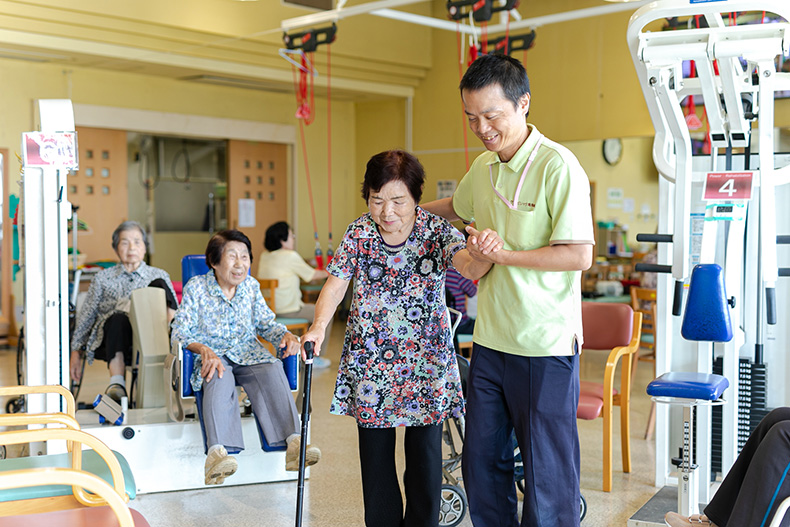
{"x":222,"y":314}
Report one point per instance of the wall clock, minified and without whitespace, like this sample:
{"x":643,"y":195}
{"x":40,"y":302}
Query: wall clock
{"x":612,"y":151}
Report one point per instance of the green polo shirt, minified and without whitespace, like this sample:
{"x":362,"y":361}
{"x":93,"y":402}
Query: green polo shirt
{"x":525,"y":311}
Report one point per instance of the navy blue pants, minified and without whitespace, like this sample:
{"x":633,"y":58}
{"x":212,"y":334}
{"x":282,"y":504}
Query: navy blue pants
{"x":759,"y":479}
{"x":536,"y":396}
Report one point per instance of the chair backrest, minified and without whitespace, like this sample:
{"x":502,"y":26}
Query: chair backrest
{"x":68,"y":397}
{"x":192,"y":265}
{"x":268,"y":287}
{"x":643,"y":300}
{"x":37,"y":477}
{"x":79,"y":438}
{"x":607,"y":325}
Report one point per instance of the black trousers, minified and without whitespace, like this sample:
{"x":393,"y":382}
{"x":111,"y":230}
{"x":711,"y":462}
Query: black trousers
{"x":118,"y":330}
{"x":758,"y":480}
{"x":422,"y":478}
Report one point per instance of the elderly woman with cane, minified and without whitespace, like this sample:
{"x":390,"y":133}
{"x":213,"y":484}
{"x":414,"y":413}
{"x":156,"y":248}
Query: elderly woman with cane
{"x":398,"y":366}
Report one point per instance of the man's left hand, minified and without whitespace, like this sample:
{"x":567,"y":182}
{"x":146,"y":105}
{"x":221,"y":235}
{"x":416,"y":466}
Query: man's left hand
{"x":483,"y":244}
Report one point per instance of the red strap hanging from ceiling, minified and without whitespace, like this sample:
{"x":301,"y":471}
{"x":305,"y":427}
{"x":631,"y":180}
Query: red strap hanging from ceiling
{"x":308,"y":42}
{"x":459,"y":38}
{"x":329,"y":250}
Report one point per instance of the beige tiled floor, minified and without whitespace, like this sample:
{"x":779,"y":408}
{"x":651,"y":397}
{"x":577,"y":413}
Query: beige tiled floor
{"x":333,"y":493}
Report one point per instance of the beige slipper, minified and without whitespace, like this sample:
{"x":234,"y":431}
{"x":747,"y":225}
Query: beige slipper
{"x":312,"y":455}
{"x":219,"y":465}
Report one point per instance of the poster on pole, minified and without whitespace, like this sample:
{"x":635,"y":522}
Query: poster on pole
{"x":50,"y":150}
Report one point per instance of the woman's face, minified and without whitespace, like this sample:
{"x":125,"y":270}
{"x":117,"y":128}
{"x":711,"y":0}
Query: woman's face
{"x":393,"y":207}
{"x":131,"y":248}
{"x":290,"y":242}
{"x":234,"y":265}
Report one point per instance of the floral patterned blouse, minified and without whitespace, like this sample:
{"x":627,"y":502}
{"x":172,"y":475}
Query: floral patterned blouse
{"x":398,"y":366}
{"x":107,"y":288}
{"x":229,"y":327}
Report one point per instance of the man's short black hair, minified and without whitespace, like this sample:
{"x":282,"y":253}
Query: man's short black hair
{"x":497,"y":69}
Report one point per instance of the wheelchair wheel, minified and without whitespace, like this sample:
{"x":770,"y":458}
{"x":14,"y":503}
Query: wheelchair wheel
{"x":15,"y":406}
{"x":583,"y":511}
{"x":453,"y":507}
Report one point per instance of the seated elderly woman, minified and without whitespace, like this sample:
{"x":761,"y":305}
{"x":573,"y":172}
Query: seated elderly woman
{"x":221,"y":316}
{"x":103,"y":330}
{"x":281,"y":262}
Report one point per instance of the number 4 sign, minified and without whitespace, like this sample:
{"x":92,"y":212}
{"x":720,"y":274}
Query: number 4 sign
{"x":728,"y":186}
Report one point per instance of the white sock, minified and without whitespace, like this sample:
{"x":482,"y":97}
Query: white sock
{"x":213,"y":448}
{"x":291,"y":438}
{"x":118,"y":379}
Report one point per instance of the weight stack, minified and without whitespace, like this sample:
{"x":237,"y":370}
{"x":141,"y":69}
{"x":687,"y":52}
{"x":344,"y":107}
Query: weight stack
{"x":744,"y":413}
{"x":759,"y":407}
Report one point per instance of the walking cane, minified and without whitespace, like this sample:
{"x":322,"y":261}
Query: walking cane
{"x":308,"y":377}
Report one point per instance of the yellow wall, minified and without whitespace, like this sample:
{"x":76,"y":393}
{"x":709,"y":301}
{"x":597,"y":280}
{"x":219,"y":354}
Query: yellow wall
{"x":635,"y":174}
{"x":26,"y":82}
{"x":584,"y":88}
{"x":380,"y":126}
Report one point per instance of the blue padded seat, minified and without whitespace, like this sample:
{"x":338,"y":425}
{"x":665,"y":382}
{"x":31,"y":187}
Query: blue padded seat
{"x":91,"y":462}
{"x":688,"y":385}
{"x":193,"y":265}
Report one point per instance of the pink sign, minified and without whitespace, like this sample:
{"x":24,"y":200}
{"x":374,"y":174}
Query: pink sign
{"x":53,"y":150}
{"x":721,"y":186}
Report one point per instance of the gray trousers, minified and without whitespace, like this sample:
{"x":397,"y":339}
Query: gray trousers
{"x":268,"y":391}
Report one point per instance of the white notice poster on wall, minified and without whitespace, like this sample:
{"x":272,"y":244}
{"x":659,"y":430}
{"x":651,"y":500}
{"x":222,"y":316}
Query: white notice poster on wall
{"x":445,"y":188}
{"x":246,"y":213}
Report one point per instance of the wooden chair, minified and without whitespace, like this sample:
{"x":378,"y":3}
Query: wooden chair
{"x":114,"y":513}
{"x":268,"y":290}
{"x":99,"y":459}
{"x":25,"y":499}
{"x":297,"y":326}
{"x":465,"y":343}
{"x":644,"y":301}
{"x":616,"y":327}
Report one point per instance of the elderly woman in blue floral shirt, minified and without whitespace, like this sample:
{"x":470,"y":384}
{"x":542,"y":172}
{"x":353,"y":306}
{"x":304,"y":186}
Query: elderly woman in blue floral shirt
{"x":398,"y":366}
{"x":222,"y":314}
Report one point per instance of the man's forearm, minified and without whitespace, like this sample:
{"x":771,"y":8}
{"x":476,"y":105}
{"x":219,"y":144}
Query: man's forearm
{"x":442,"y":207}
{"x":564,"y":257}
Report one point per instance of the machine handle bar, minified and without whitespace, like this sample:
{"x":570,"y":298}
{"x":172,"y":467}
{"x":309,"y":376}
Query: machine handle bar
{"x":654,"y":238}
{"x":653,"y":268}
